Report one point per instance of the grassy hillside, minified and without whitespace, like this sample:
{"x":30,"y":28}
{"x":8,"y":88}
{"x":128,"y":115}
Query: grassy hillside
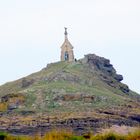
{"x":47,"y":89}
{"x":65,"y":90}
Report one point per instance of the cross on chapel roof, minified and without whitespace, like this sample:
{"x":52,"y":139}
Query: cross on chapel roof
{"x":66,"y":33}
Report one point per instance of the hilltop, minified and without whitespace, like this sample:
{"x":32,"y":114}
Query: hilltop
{"x":80,"y":95}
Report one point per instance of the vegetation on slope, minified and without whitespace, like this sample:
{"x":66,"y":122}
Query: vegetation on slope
{"x":87,"y":90}
{"x":63,"y":135}
{"x":46,"y":90}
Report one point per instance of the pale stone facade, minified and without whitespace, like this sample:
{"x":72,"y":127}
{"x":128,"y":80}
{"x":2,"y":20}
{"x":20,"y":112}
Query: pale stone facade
{"x":67,"y":49}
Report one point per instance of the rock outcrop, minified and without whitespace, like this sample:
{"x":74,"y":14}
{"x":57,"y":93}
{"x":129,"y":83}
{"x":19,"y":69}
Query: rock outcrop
{"x":26,"y":83}
{"x":106,"y":70}
{"x":76,"y":97}
{"x":102,"y":64}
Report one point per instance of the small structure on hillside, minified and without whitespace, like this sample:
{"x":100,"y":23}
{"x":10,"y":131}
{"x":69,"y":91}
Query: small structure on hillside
{"x":67,"y":49}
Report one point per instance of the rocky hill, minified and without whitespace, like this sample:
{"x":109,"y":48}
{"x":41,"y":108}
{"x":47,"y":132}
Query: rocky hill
{"x":83,"y":95}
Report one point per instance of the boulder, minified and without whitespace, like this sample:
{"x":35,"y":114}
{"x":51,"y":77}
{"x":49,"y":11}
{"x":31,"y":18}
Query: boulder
{"x":102,"y":64}
{"x":26,"y":82}
{"x":118,"y":77}
{"x":124,"y":88}
{"x":88,"y":98}
{"x":70,"y":97}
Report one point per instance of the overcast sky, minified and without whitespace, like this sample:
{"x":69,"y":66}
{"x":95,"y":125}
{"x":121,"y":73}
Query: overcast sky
{"x":32,"y":31}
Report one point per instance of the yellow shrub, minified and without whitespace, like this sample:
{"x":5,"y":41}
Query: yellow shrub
{"x":134,"y":136}
{"x":3,"y":106}
{"x":57,"y":135}
{"x":67,"y":135}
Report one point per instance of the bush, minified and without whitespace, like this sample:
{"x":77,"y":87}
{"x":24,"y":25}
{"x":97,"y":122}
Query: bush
{"x":3,"y":136}
{"x":134,"y":136}
{"x":66,"y":135}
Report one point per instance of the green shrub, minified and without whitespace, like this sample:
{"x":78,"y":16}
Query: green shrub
{"x":3,"y":135}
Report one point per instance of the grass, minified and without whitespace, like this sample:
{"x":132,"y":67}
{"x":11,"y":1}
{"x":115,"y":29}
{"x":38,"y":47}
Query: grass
{"x":40,"y":95}
{"x":64,"y":135}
